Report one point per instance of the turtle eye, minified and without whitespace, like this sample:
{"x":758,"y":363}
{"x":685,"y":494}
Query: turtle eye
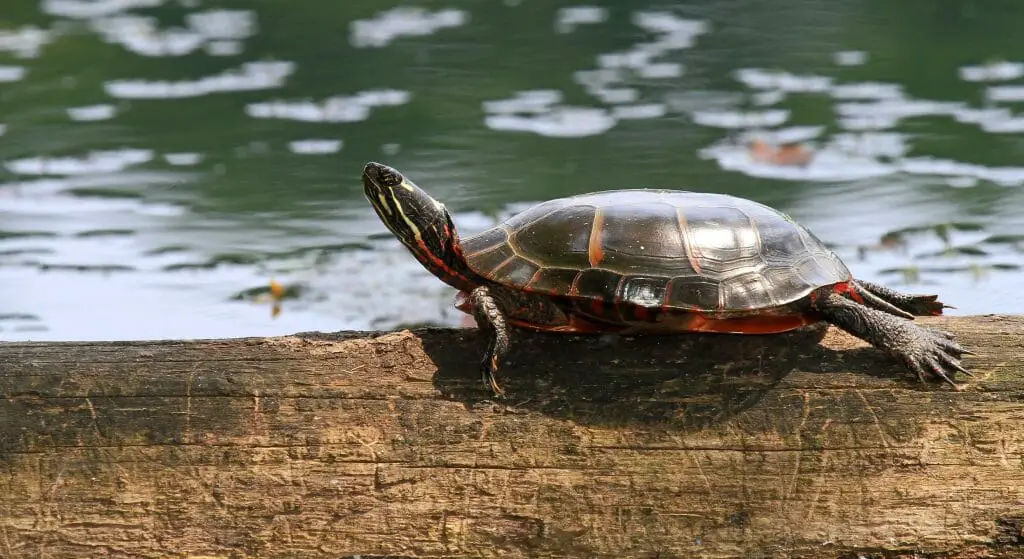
{"x":389,"y":178}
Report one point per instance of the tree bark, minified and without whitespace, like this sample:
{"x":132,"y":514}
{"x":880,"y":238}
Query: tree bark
{"x":319,"y":445}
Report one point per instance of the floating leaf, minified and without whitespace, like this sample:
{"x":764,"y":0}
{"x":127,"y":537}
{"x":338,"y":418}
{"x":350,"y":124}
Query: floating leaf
{"x":25,"y":234}
{"x":166,"y":250}
{"x":104,"y":268}
{"x":105,"y":233}
{"x":1004,"y":239}
{"x":272,"y":291}
{"x":111,"y":193}
{"x":954,"y":251}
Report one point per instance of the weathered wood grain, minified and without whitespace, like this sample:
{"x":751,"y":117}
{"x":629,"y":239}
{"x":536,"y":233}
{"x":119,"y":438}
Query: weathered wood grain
{"x":335,"y":445}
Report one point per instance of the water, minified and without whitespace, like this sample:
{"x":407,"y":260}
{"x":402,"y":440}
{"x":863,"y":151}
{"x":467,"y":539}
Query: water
{"x":164,"y":161}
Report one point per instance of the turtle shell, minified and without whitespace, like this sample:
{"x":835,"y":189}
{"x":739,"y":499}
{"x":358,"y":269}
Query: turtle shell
{"x":664,"y":249}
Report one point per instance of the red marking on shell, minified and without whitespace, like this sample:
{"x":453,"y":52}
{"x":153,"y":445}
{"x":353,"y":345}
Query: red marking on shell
{"x":697,"y":322}
{"x":597,"y":307}
{"x":692,"y":254}
{"x":503,"y":264}
{"x":574,"y":288}
{"x":847,"y":288}
{"x":668,"y":293}
{"x":577,"y":325}
{"x":535,"y":277}
{"x":595,"y":252}
{"x":642,"y":314}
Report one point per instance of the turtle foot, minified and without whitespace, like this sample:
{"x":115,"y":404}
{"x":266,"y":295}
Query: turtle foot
{"x":931,"y":354}
{"x":491,"y":321}
{"x":924,"y":305}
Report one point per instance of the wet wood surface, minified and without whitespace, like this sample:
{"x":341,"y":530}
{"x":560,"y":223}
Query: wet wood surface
{"x":320,"y":445}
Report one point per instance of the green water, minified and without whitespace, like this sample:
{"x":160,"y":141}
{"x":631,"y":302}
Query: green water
{"x":152,"y":185}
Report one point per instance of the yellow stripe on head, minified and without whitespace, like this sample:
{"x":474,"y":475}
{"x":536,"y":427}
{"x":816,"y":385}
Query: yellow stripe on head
{"x":412,"y":226}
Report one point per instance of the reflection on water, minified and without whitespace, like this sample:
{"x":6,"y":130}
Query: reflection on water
{"x":191,"y":169}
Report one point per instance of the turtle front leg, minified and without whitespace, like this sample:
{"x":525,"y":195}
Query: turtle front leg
{"x":927,"y":352}
{"x":491,"y":320}
{"x":917,"y":305}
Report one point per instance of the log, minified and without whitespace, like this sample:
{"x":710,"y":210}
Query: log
{"x":333,"y":445}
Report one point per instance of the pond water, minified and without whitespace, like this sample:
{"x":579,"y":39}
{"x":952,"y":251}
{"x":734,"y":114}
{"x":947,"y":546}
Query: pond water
{"x":162,"y":162}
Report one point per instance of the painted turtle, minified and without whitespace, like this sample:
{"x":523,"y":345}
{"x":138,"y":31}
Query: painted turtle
{"x":654,"y":261}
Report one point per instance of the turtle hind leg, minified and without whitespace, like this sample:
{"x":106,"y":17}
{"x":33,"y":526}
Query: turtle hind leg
{"x":491,"y":320}
{"x":917,"y":305}
{"x":928,"y":353}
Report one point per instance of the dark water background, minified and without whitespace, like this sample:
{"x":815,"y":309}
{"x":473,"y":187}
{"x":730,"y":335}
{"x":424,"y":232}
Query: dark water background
{"x":163,"y":161}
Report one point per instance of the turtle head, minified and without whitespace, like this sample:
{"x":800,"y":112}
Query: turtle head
{"x":420,"y":222}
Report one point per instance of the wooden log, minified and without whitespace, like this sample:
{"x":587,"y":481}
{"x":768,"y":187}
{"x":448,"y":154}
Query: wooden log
{"x":320,"y":445}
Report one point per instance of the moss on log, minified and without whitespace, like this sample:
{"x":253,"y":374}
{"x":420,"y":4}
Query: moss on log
{"x":321,"y":445}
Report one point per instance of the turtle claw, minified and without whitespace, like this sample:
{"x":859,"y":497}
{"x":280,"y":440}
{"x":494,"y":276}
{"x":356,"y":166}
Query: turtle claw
{"x":487,"y":369}
{"x":933,"y":354}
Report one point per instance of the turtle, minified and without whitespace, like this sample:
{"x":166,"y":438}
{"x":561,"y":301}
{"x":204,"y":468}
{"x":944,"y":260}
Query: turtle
{"x":654,"y":261}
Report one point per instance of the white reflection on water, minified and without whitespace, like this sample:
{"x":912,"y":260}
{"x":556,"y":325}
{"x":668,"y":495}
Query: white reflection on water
{"x":866,"y":91}
{"x":92,"y":112}
{"x":993,"y":71}
{"x":87,"y":9}
{"x":850,"y":58}
{"x":757,"y":78}
{"x":341,"y":108}
{"x":315,"y":146}
{"x":251,"y":76}
{"x":183,"y":159}
{"x":741,"y":119}
{"x":560,"y":122}
{"x":142,"y":35}
{"x":569,"y":18}
{"x":403,"y":21}
{"x":897,"y":109}
{"x":1005,"y":93}
{"x":109,"y":161}
{"x":1005,"y":176}
{"x":637,"y":112}
{"x":536,"y":101}
{"x":25,"y":42}
{"x":11,"y":73}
